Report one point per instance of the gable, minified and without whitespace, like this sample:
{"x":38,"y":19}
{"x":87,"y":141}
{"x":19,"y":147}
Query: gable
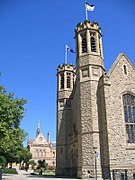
{"x":119,"y":64}
{"x":40,"y":139}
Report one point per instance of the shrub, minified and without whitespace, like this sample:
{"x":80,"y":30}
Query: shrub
{"x":3,"y":162}
{"x":10,"y":171}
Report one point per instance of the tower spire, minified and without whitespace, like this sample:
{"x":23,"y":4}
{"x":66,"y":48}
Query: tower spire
{"x":38,"y":128}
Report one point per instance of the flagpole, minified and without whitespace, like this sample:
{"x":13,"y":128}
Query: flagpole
{"x":66,"y":55}
{"x":86,"y":13}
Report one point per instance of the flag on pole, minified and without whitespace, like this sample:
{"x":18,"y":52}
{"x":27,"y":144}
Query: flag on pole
{"x":70,"y":49}
{"x":89,"y":7}
{"x":66,"y":52}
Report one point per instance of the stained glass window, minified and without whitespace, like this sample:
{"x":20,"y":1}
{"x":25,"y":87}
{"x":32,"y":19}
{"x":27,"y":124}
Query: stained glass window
{"x":129,"y":114}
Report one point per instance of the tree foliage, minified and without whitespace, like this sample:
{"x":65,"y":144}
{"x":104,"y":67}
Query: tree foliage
{"x":32,"y":163}
{"x":11,"y":135}
{"x":3,"y":161}
{"x":42,"y":164}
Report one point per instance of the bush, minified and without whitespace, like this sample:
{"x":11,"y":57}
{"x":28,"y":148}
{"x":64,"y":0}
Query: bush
{"x":3,"y":162}
{"x":10,"y":171}
{"x":48,"y":173}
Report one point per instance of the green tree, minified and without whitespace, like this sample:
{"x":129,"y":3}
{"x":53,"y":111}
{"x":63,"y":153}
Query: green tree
{"x":11,"y":135}
{"x":32,"y":163}
{"x":42,"y":165}
{"x":22,"y":155}
{"x":3,"y":161}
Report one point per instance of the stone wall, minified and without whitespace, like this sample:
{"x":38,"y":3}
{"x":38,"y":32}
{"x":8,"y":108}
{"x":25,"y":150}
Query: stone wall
{"x":121,"y":153}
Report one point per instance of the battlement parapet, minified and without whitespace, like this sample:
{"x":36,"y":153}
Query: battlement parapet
{"x":66,"y":67}
{"x":87,"y":25}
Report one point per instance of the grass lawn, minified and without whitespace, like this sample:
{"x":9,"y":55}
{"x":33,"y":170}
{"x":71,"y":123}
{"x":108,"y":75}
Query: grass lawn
{"x":44,"y":173}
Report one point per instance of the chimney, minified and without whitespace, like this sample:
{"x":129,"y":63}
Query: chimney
{"x":48,"y":137}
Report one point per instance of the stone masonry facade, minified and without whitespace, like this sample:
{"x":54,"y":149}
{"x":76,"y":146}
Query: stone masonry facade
{"x":43,"y":149}
{"x":95,"y":112}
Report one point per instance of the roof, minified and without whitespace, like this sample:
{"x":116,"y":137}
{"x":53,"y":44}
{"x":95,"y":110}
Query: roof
{"x":116,"y":61}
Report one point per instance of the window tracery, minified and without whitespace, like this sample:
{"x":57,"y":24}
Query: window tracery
{"x":129,"y":114}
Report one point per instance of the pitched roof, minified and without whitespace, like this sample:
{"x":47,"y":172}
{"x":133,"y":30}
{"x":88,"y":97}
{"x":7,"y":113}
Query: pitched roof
{"x":116,"y":61}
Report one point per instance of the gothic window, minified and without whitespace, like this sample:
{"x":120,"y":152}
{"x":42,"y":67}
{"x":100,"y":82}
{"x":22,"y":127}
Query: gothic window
{"x":44,"y":154}
{"x":68,"y":80}
{"x":125,"y":69}
{"x":40,"y":153}
{"x":37,"y":154}
{"x":129,"y":114}
{"x":73,"y":80}
{"x":62,"y":81}
{"x":84,"y":44}
{"x":93,"y":42}
{"x":100,"y":45}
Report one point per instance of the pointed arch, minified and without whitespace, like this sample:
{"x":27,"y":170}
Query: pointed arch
{"x":62,"y":81}
{"x":84,"y":43}
{"x":93,"y":44}
{"x":68,"y":80}
{"x":129,"y":115}
{"x":125,"y":69}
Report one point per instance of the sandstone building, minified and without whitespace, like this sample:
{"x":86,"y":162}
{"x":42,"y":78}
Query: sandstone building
{"x":95,"y":111}
{"x":42,"y":149}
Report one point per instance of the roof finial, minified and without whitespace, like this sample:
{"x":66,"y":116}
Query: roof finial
{"x":38,"y":128}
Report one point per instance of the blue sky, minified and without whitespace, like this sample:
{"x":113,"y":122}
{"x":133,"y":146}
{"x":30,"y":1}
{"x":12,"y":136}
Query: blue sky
{"x":33,"y":35}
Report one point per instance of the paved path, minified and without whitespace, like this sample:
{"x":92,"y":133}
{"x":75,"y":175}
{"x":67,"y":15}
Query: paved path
{"x":23,"y":175}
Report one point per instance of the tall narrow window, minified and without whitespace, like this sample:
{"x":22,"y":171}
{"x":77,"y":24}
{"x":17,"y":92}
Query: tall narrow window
{"x":125,"y":69}
{"x":68,"y":80}
{"x":73,"y":80}
{"x":93,"y":42}
{"x":62,"y":81}
{"x":129,"y":114}
{"x":100,"y":45}
{"x":84,"y":44}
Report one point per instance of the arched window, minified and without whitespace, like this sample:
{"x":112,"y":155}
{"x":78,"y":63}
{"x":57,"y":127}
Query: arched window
{"x":37,"y":154}
{"x":44,"y":153}
{"x":125,"y":69}
{"x":73,"y":80}
{"x":41,"y":153}
{"x":129,"y":114}
{"x":62,"y":81}
{"x":68,"y":80}
{"x":84,"y":44}
{"x":100,"y":45}
{"x":93,"y":42}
